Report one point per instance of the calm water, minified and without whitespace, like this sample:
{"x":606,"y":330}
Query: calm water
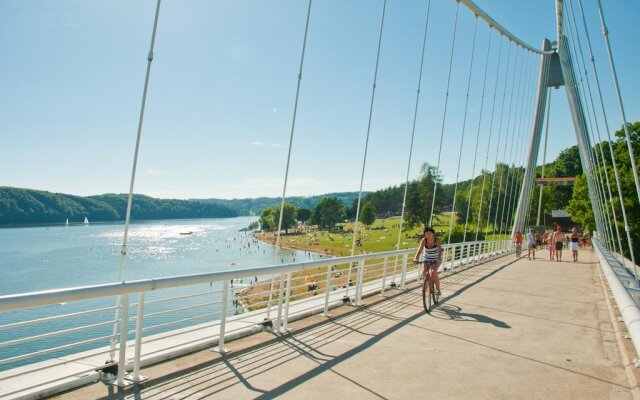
{"x":41,"y":258}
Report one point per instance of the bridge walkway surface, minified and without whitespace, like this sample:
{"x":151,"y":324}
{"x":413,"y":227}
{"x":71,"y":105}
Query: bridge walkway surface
{"x":508,"y":329}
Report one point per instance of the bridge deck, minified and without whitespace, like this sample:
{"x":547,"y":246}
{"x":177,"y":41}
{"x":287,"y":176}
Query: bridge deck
{"x":507,"y":329}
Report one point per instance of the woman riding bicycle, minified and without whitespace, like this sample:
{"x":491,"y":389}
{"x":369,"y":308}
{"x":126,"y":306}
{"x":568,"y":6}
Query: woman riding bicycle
{"x":430,"y":255}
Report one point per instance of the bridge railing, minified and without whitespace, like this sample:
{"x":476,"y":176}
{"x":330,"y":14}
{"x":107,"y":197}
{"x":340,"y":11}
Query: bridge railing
{"x":626,"y":292}
{"x":161,"y":318}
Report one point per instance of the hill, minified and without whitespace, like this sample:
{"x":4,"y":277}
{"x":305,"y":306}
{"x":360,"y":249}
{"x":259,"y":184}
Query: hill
{"x":26,"y":206}
{"x":255,"y":206}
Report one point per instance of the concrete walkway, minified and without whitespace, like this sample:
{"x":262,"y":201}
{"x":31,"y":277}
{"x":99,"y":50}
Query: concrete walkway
{"x":503,"y":330}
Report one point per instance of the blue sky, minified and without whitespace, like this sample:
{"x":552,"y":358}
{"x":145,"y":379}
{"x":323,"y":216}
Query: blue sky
{"x":223,"y":82}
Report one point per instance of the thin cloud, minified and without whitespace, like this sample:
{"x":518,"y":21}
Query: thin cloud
{"x":151,"y":171}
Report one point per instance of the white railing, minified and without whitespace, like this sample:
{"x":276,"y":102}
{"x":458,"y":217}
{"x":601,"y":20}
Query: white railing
{"x":626,"y":293}
{"x":180,"y":314}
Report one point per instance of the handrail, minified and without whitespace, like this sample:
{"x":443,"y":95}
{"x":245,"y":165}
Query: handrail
{"x":627,"y":307}
{"x":56,"y":296}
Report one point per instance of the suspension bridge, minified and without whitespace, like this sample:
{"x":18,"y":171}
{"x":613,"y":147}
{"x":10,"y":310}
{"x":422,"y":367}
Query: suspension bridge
{"x":509,"y":327}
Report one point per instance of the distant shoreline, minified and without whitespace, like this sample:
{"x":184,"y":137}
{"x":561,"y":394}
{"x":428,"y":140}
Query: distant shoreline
{"x":133,"y":222}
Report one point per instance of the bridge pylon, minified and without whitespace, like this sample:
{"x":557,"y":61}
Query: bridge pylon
{"x":556,"y":69}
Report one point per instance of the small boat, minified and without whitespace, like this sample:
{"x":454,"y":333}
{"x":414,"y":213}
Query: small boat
{"x":86,"y":221}
{"x":67,"y":222}
{"x":186,"y":233}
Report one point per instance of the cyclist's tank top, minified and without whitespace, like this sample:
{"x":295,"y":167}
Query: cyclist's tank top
{"x":430,"y":255}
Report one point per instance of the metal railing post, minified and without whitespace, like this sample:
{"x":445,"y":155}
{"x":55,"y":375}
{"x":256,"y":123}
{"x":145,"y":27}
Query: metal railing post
{"x":468,"y":253}
{"x":278,"y":322}
{"x":286,"y":303}
{"x":124,"y":330}
{"x":403,"y":278}
{"x":327,"y":290}
{"x":223,"y":319}
{"x":360,"y":283}
{"x":384,"y":276}
{"x":136,"y":377}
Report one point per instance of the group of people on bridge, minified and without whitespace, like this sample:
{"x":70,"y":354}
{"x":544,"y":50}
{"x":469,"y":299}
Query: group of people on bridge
{"x":554,"y":240}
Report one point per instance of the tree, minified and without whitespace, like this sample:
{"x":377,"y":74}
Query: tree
{"x":328,"y":213}
{"x":288,"y":217}
{"x":266,"y":219}
{"x":303,"y":214}
{"x":420,"y":196}
{"x":580,"y":206}
{"x":368,"y":214}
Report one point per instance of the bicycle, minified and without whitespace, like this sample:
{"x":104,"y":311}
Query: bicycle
{"x":518,"y":250}
{"x":430,"y":296}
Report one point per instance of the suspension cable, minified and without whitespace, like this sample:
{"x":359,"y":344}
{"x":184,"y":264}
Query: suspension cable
{"x":464,"y":126}
{"x":528,"y":127}
{"x":544,"y":151}
{"x":493,"y":176}
{"x":523,"y":127}
{"x":602,"y":155}
{"x":605,"y":221}
{"x":124,"y":250}
{"x":444,"y":114}
{"x":589,"y":174}
{"x":605,"y":34}
{"x":509,"y":135}
{"x":286,"y":173}
{"x":581,"y":128}
{"x":608,"y":130}
{"x":475,"y":154}
{"x":366,"y":145}
{"x":413,"y":131}
{"x":515,"y":142}
{"x":486,"y":158}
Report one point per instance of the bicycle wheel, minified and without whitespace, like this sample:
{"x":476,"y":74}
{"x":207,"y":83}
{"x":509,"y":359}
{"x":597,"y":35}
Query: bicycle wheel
{"x":434,"y":293}
{"x":426,"y":294}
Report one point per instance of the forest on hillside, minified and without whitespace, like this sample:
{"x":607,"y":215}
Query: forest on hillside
{"x":26,"y":206}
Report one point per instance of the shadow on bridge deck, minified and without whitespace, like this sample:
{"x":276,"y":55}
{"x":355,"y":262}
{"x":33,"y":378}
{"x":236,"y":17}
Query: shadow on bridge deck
{"x":504,"y":330}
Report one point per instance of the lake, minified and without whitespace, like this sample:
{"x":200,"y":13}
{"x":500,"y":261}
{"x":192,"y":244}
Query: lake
{"x":54,"y":257}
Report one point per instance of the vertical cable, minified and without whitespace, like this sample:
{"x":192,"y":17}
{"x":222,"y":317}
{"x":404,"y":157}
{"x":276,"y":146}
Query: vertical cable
{"x":616,"y":85}
{"x":544,"y":152}
{"x":124,"y":250}
{"x":413,"y":129}
{"x":464,"y":126}
{"x":602,"y":155}
{"x":475,"y":154}
{"x":493,"y":176}
{"x":611,"y":153}
{"x":517,"y":141}
{"x":486,"y":158}
{"x":444,"y":114}
{"x":366,"y":144}
{"x":504,"y":154}
{"x":286,"y":173}
{"x":606,"y":219}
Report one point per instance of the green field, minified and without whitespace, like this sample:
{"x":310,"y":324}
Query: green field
{"x":382,"y":235}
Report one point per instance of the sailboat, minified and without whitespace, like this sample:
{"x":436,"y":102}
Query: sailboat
{"x":67,"y":222}
{"x":86,"y":221}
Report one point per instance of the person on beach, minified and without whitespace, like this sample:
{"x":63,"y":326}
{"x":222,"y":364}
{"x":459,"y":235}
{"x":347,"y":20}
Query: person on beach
{"x":558,"y":240}
{"x":430,"y":255}
{"x":531,"y":244}
{"x":574,"y":243}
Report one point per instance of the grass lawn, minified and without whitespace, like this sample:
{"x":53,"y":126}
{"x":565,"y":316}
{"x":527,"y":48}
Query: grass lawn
{"x":382,"y":235}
